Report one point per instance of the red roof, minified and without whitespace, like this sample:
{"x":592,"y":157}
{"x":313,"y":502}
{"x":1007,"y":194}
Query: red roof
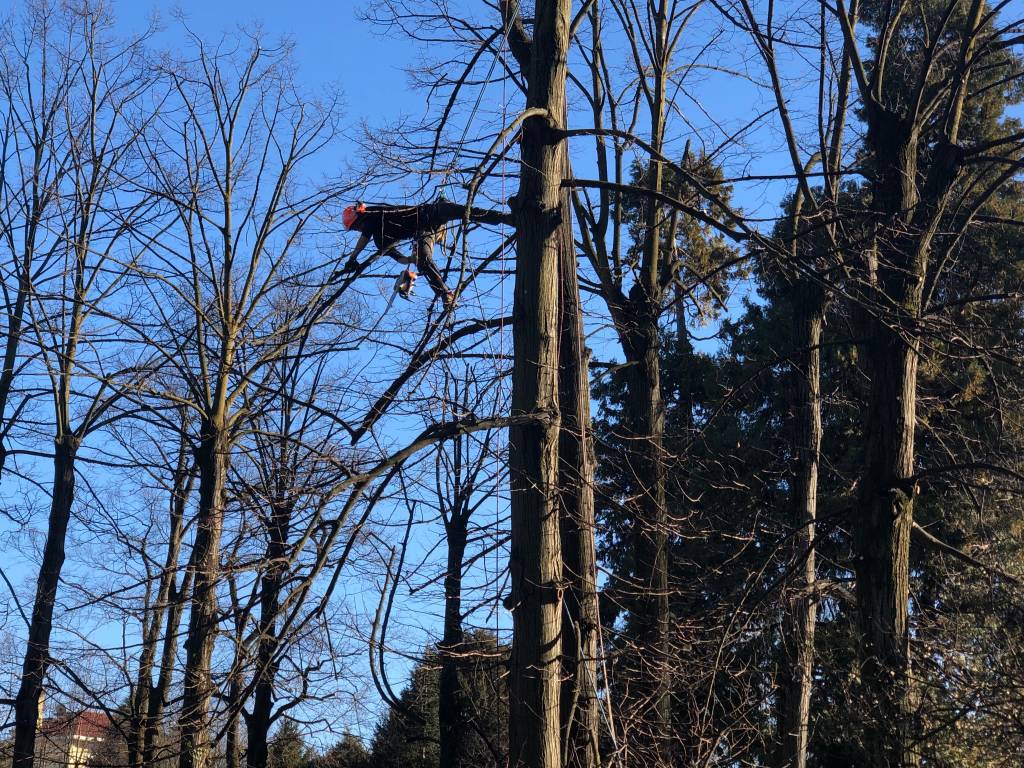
{"x":90,"y":724}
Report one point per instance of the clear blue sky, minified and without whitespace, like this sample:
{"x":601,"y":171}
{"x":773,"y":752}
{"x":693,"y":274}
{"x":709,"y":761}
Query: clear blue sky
{"x":332,"y":44}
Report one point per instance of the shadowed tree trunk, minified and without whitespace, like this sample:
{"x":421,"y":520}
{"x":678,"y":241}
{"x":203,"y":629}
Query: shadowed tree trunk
{"x":157,"y":698}
{"x":37,"y":655}
{"x":145,"y":710}
{"x":802,"y":603}
{"x":535,"y":561}
{"x":579,"y":703}
{"x":198,"y":689}
{"x":271,"y":585}
{"x":451,"y":714}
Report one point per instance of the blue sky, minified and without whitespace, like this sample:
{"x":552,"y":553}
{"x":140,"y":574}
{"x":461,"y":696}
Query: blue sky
{"x":332,"y":45}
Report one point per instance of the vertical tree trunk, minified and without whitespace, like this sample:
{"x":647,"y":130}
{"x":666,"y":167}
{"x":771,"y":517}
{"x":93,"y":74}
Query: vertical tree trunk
{"x":535,"y":561}
{"x":576,"y":486}
{"x":158,"y":694}
{"x":37,"y":652}
{"x":232,"y":746}
{"x":797,"y":660}
{"x":12,"y":342}
{"x":212,"y":463}
{"x":271,"y":584}
{"x":144,"y":708}
{"x":882,"y":540}
{"x":886,"y":502}
{"x":451,"y":710}
{"x":646,"y":463}
{"x":645,"y":455}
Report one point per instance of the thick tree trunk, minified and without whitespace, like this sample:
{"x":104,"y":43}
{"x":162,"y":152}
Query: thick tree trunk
{"x":535,"y":560}
{"x":884,"y":517}
{"x":212,"y":463}
{"x":797,"y":660}
{"x":580,"y":724}
{"x":37,"y":652}
{"x":451,"y":710}
{"x":882,"y":540}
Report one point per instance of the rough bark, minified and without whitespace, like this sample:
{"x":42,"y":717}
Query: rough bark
{"x":212,"y":464}
{"x":37,"y":653}
{"x":884,"y":517}
{"x":579,"y":703}
{"x":535,"y":558}
{"x":882,"y":541}
{"x":798,"y":627}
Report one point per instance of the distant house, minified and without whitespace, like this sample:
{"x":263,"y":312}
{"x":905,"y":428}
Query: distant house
{"x":73,"y":740}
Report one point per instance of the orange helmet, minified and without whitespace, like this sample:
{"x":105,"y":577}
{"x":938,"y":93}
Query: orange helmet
{"x":351,"y":214}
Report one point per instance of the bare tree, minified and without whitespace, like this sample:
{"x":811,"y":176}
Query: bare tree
{"x":230,"y":164}
{"x":94,"y":139}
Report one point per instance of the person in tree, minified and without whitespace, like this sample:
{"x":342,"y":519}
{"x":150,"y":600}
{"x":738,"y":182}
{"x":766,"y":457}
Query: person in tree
{"x":425,"y":225}
{"x":387,"y":225}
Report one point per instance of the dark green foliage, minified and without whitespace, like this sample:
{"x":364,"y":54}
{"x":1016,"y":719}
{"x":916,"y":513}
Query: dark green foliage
{"x":350,"y":752}
{"x":288,"y":748}
{"x":407,"y":737}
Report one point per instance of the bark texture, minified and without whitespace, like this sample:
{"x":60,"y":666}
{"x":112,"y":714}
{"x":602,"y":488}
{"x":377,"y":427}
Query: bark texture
{"x":536,"y":561}
{"x":580,"y":724}
{"x":884,"y":517}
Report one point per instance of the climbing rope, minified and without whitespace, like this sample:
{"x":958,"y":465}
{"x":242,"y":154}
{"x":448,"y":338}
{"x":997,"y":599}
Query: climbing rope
{"x":479,"y":99}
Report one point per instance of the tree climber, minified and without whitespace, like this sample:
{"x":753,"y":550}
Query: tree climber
{"x":424,"y":224}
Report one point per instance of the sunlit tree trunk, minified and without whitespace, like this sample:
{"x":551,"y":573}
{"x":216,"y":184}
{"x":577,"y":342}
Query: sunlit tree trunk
{"x":536,"y":561}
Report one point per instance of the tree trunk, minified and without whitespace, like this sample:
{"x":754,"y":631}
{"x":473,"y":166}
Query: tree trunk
{"x":580,"y":724}
{"x":886,"y":502}
{"x":535,"y":560}
{"x":798,"y":626}
{"x":882,"y":540}
{"x":15,"y":321}
{"x":272,"y":582}
{"x":232,"y":745}
{"x":645,"y":454}
{"x":37,"y":652}
{"x":451,"y":710}
{"x":158,"y":694}
{"x":212,"y":463}
{"x":646,"y":463}
{"x":144,"y":709}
